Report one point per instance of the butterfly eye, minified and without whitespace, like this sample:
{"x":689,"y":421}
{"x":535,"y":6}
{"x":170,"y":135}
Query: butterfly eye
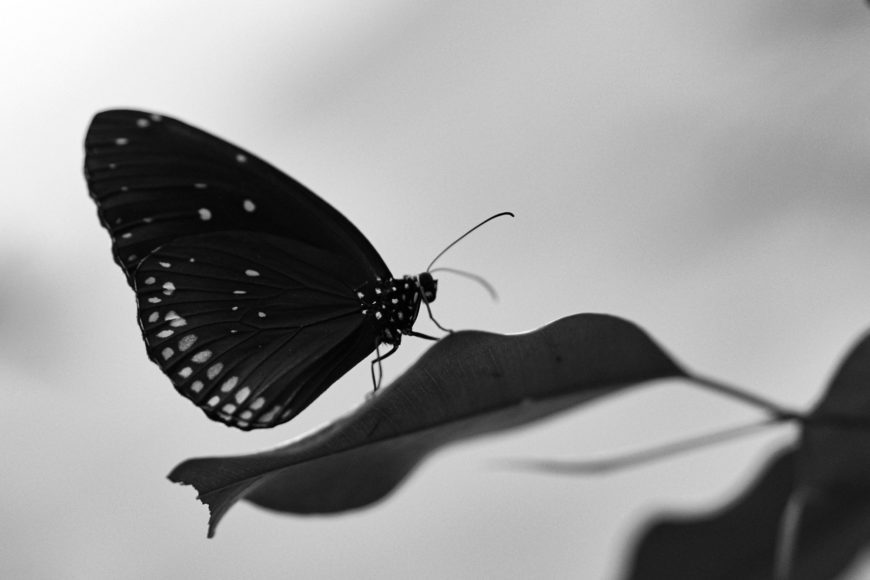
{"x":429,"y":286}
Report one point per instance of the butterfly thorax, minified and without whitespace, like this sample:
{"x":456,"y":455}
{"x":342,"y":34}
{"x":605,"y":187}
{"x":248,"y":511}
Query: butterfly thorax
{"x":393,"y":304}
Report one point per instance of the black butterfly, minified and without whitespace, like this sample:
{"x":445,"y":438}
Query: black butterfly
{"x":254,"y":295}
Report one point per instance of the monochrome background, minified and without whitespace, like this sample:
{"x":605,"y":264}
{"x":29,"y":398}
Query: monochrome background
{"x":698,"y":167}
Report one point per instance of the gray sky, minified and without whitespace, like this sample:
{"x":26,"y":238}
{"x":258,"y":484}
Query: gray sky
{"x":698,"y":167}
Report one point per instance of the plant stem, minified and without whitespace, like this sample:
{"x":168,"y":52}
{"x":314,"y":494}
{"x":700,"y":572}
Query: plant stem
{"x":774,"y":409}
{"x":836,"y":420}
{"x":639,"y":458}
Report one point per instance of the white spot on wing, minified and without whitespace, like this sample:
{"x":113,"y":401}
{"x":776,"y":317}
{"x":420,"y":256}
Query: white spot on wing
{"x":241,"y":158}
{"x":229,"y":408}
{"x":165,"y":333}
{"x":249,"y":205}
{"x":121,"y":141}
{"x":204,"y":214}
{"x":142,"y":123}
{"x":185,"y":372}
{"x":196,"y":386}
{"x":239,"y":292}
{"x":186,"y":342}
{"x":155,"y":300}
{"x":270,"y":415}
{"x":252,"y":273}
{"x":153,"y":316}
{"x":229,"y":384}
{"x":150,"y":280}
{"x":213,"y":401}
{"x":201,"y":356}
{"x":168,"y":288}
{"x":241,"y":395}
{"x":258,"y":402}
{"x":200,"y":185}
{"x":165,"y":264}
{"x":167,"y":353}
{"x":214,"y":370}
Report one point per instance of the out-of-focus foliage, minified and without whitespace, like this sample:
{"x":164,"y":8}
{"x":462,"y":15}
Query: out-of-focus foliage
{"x":810,"y":509}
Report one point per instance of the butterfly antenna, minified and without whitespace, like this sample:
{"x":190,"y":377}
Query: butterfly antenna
{"x":483,"y":282}
{"x":479,"y":279}
{"x":457,"y":240}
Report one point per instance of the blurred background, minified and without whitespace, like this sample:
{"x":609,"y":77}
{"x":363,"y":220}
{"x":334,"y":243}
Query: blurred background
{"x":697,"y":167}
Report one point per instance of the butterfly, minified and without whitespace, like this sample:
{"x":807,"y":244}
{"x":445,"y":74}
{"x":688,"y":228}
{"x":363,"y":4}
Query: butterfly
{"x":254,"y":295}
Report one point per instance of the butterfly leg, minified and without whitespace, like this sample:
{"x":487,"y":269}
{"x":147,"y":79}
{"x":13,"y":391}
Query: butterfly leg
{"x":377,"y":361}
{"x":432,"y":318}
{"x":421,"y":335}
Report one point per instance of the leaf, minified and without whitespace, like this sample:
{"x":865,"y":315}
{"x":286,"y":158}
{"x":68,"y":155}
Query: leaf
{"x":835,"y":446}
{"x":736,"y":542}
{"x":813,"y":501}
{"x":740,"y":541}
{"x":467,"y":384}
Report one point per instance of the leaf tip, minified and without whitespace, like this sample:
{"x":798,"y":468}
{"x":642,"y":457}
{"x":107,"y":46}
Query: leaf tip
{"x":213,"y":516}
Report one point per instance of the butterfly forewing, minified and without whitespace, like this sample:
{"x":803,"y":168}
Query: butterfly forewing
{"x":156,"y":179}
{"x":254,"y":294}
{"x":250,"y":327}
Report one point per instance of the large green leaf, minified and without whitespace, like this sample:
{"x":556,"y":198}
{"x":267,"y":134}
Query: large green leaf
{"x":467,"y":384}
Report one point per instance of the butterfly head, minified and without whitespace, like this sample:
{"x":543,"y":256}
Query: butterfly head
{"x":427,"y":286}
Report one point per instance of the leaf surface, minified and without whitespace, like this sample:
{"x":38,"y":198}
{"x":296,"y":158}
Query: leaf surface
{"x":469,"y":383}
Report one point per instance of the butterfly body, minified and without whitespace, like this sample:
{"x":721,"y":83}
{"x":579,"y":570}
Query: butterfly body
{"x":254,"y":295}
{"x":393,"y":304}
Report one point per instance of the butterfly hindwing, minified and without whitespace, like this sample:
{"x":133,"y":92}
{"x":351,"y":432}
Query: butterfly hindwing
{"x":156,"y":179}
{"x":250,"y":326}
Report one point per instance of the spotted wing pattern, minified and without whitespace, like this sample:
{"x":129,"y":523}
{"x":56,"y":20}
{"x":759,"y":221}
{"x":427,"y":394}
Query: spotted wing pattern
{"x":249,"y":326}
{"x":155,"y":179}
